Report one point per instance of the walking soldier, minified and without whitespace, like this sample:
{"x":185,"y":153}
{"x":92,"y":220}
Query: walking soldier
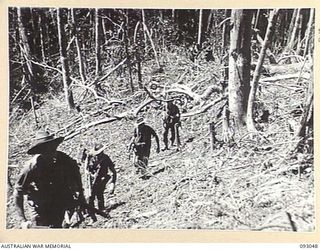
{"x":141,"y":145}
{"x":171,"y":122}
{"x":52,"y":182}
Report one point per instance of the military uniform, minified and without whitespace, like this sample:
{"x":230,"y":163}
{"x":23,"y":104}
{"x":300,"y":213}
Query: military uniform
{"x":51,"y":186}
{"x":171,"y":120}
{"x":142,"y":140}
{"x":98,"y":167}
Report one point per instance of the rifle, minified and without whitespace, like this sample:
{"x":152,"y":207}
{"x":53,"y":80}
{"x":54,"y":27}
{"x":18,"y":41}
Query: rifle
{"x":176,"y":127}
{"x":80,"y":207}
{"x":87,"y":180}
{"x":96,"y":174}
{"x":92,"y":209}
{"x":134,"y":143}
{"x":131,"y":147}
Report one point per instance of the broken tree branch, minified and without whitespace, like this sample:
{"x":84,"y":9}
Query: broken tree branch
{"x":100,"y":79}
{"x":204,"y":108}
{"x":96,"y":96}
{"x":77,"y":131}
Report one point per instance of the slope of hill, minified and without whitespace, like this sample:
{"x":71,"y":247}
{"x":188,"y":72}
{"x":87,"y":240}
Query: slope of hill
{"x":251,"y":184}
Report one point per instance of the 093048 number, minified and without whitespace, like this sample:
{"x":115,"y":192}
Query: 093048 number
{"x":308,"y":246}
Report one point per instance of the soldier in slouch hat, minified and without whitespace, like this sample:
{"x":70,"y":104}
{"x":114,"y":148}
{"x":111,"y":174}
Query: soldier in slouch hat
{"x":51,"y":181}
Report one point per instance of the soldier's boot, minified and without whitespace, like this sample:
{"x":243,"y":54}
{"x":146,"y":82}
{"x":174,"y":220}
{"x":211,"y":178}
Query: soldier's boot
{"x":101,"y":204}
{"x":165,"y":141}
{"x":173,"y":136}
{"x":165,"y":147}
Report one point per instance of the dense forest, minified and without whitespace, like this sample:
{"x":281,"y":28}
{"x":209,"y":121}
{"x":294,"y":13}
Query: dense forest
{"x":242,"y":78}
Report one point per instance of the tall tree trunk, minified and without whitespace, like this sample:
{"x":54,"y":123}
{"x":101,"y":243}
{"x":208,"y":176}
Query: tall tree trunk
{"x":25,"y":46}
{"x":256,"y":76}
{"x":239,"y":65}
{"x":308,"y":33}
{"x":126,"y":42}
{"x":293,"y":34}
{"x":199,"y":28}
{"x":299,"y":39}
{"x":226,"y":31}
{"x":137,"y":54}
{"x":42,"y":39}
{"x":63,"y":59}
{"x":292,"y":22}
{"x":146,"y":32}
{"x":31,"y":72}
{"x":138,"y":58}
{"x":97,"y":42}
{"x":33,"y":28}
{"x":209,"y":21}
{"x":282,"y":27}
{"x":306,"y":121}
{"x":161,"y":15}
{"x":78,"y":46}
{"x":257,"y":19}
{"x":225,"y":39}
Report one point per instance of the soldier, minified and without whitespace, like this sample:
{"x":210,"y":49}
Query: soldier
{"x":141,"y":144}
{"x":99,"y":167}
{"x":171,"y":122}
{"x":52,"y":182}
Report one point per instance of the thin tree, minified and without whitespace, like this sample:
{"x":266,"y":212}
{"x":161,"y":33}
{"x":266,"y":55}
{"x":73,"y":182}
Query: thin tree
{"x":209,"y":21}
{"x":293,"y":34}
{"x":143,"y":17}
{"x":257,"y":19}
{"x":299,"y":38}
{"x":137,"y":54}
{"x":239,"y":65}
{"x":146,"y":32}
{"x":42,"y":31}
{"x":126,"y":42}
{"x":31,"y":71}
{"x":308,"y":33}
{"x":78,"y":46}
{"x":293,"y":20}
{"x":256,"y":76}
{"x":306,"y":121}
{"x":199,"y":28}
{"x":97,"y":42}
{"x":63,"y":59}
{"x":225,"y":40}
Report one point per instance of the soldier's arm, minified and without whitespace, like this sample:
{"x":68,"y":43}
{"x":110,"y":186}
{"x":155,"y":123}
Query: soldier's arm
{"x":22,"y":183}
{"x":18,"y":200}
{"x":130,"y":144}
{"x":75,"y":182}
{"x":114,"y":173}
{"x":154,"y":134}
{"x":177,"y":112}
{"x":111,"y":167}
{"x":78,"y":180}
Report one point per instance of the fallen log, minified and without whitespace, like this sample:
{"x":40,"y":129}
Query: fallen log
{"x":196,"y":97}
{"x":78,"y":131}
{"x":285,"y":77}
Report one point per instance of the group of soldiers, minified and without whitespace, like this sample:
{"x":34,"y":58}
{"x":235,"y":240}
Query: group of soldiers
{"x":52,"y":182}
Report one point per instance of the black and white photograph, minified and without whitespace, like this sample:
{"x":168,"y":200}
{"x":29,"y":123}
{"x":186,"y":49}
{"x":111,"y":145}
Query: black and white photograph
{"x":166,"y":119}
